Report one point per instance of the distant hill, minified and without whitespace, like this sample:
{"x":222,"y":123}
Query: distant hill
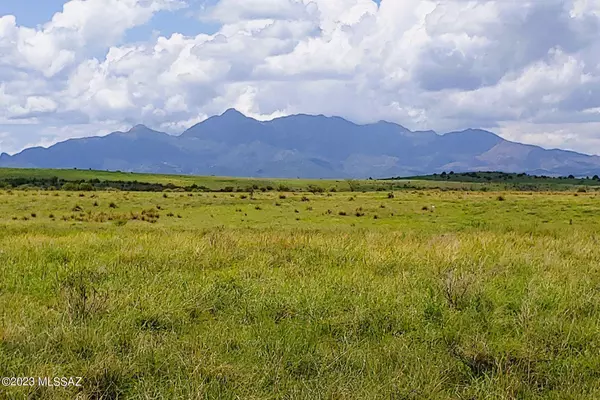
{"x":303,"y":146}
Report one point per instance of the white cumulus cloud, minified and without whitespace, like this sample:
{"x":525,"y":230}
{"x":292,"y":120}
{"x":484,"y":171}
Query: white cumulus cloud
{"x":527,"y":69}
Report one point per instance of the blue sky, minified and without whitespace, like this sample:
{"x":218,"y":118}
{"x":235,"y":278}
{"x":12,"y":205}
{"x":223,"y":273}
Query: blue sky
{"x":527,"y":70}
{"x":33,"y":13}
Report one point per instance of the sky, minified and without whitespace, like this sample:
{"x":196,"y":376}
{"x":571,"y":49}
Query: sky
{"x":528,"y":70}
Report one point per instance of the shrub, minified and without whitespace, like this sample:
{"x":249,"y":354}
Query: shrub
{"x":112,"y":205}
{"x":243,"y":197}
{"x":33,"y":215}
{"x":342,"y":213}
{"x":391,"y":195}
{"x":152,"y":213}
{"x":257,"y":208}
{"x":95,"y":204}
{"x":70,"y":186}
{"x":282,"y":196}
{"x":297,"y":212}
{"x":425,"y":208}
{"x":500,"y":198}
{"x":77,"y":208}
{"x":165,"y":195}
{"x":305,"y":199}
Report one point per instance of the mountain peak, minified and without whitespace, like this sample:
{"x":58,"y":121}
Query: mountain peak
{"x":232,"y":112}
{"x":139,"y":127}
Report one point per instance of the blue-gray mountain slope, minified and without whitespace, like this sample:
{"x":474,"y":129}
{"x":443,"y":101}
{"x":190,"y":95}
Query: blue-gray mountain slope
{"x":302,"y":146}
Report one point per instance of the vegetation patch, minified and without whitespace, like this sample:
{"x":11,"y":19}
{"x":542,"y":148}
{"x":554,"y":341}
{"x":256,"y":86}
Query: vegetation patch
{"x":204,"y":297}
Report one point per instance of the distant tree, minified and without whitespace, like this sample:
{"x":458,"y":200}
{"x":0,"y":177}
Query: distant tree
{"x":596,"y":178}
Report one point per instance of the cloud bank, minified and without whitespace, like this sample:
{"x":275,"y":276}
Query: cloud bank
{"x":528,"y":70}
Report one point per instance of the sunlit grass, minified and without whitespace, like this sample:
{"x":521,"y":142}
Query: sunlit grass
{"x":224,"y":297}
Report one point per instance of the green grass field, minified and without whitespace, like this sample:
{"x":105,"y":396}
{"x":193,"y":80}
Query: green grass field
{"x":213,"y":183}
{"x":482,"y":181}
{"x":426,"y":295}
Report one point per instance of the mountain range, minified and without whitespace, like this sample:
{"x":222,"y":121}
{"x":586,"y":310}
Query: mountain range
{"x":307,"y":146}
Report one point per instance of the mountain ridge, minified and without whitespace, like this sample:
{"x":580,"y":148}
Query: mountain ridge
{"x":302,"y":145}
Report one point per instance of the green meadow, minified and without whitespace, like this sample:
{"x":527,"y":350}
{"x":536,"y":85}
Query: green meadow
{"x":410,"y":294}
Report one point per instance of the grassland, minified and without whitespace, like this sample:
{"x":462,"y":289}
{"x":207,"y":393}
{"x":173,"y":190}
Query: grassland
{"x":513,"y":181}
{"x":482,"y":181}
{"x":421,"y":295}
